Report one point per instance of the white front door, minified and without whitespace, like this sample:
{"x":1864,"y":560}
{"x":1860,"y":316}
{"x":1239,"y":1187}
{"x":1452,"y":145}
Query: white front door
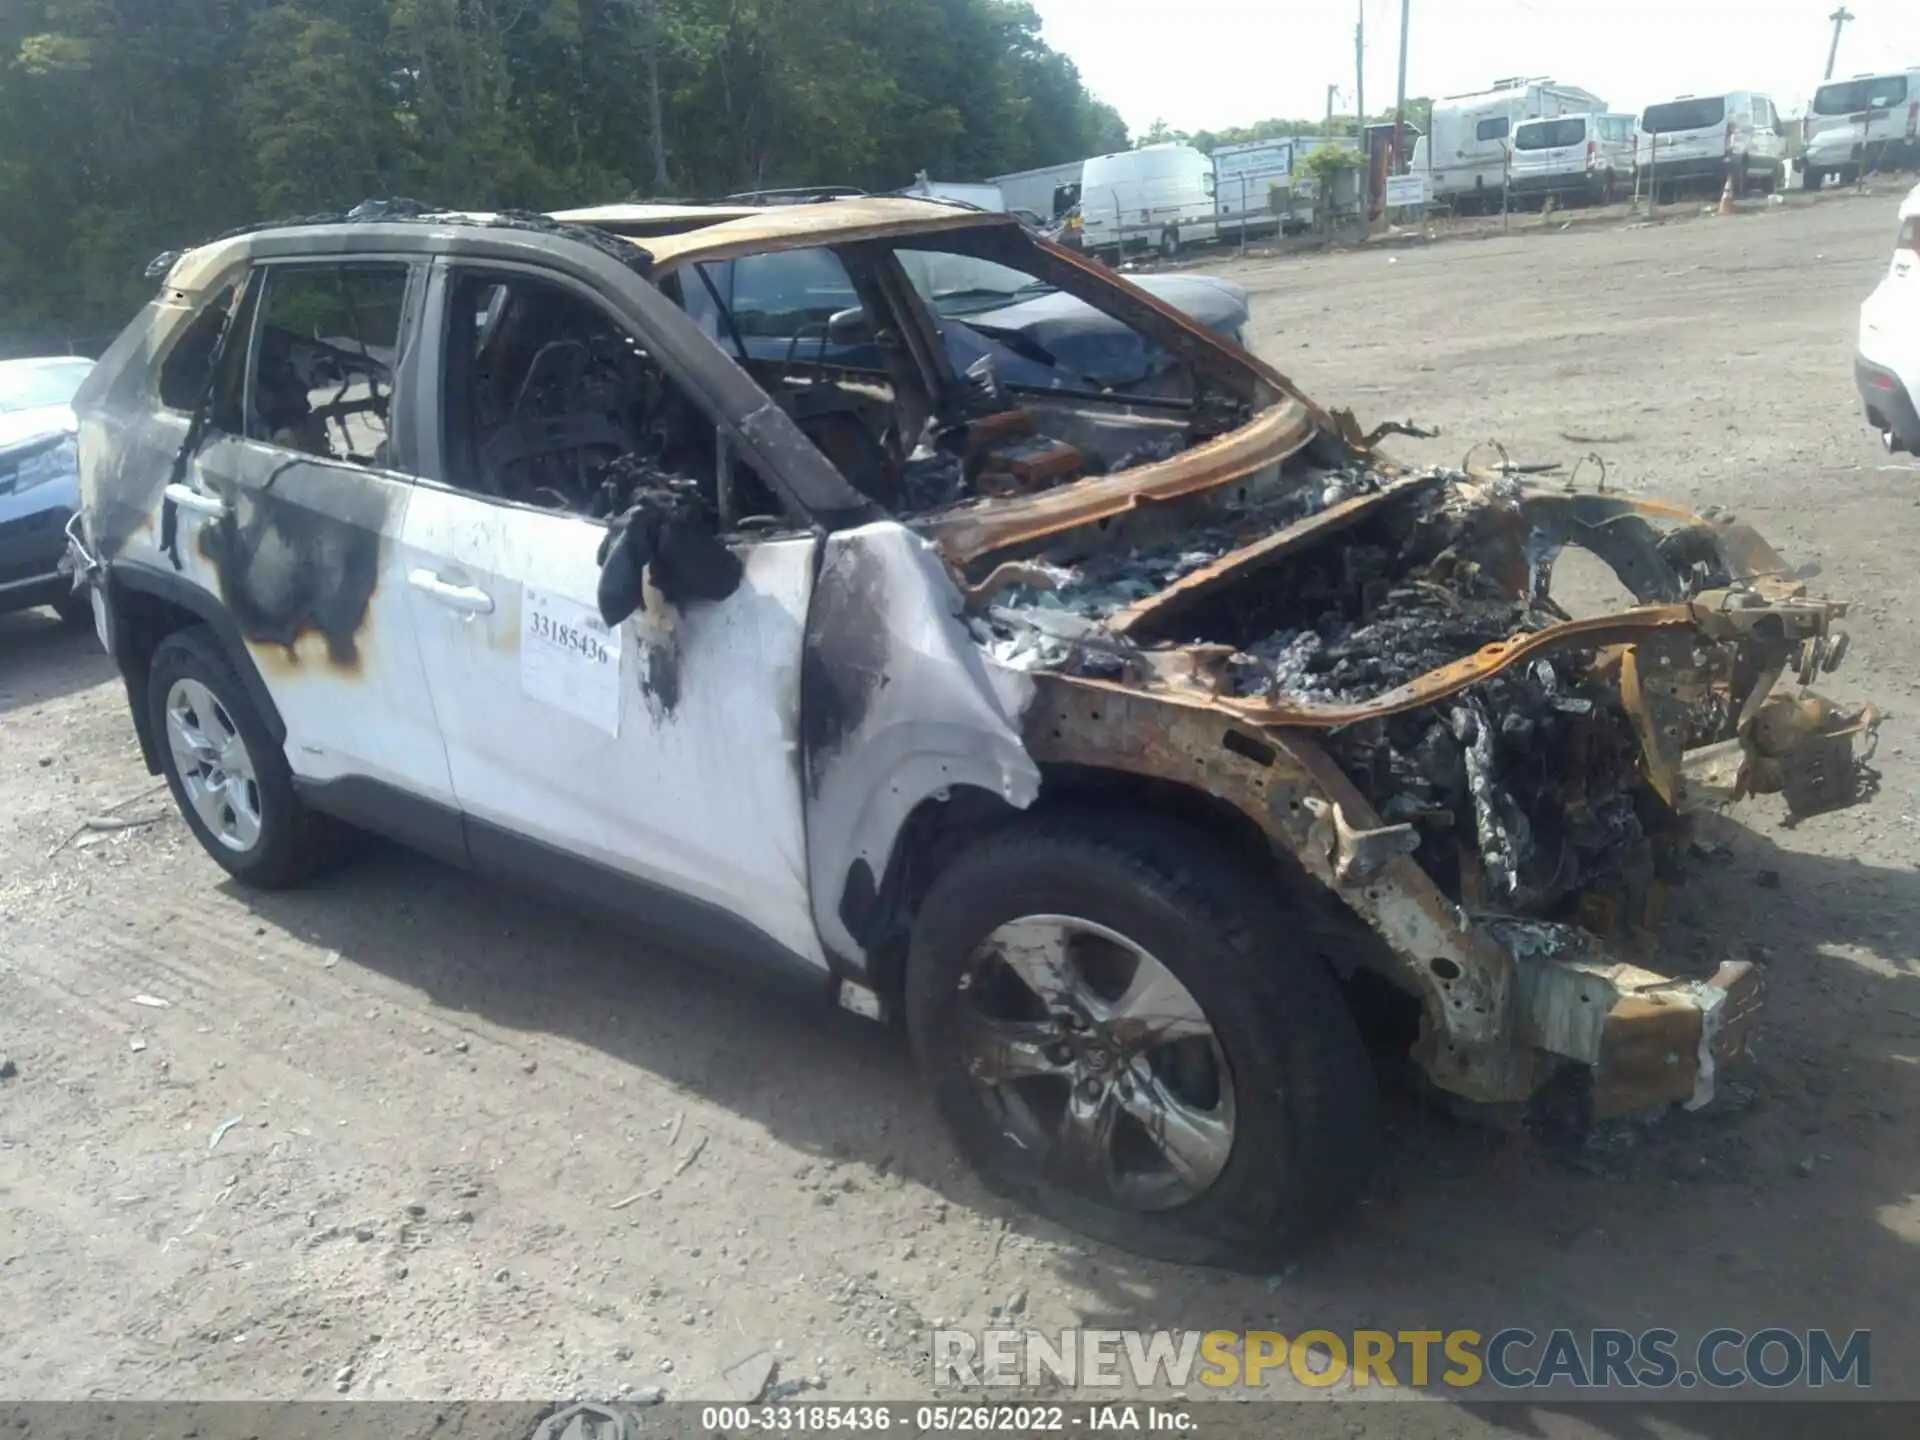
{"x":662,"y":752}
{"x":665,"y":749}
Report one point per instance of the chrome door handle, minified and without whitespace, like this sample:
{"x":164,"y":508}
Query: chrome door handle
{"x":200,"y":503}
{"x":468,"y":599}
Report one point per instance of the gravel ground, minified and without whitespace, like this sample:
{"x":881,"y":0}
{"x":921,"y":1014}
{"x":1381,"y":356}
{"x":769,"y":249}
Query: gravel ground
{"x":481,"y":1147}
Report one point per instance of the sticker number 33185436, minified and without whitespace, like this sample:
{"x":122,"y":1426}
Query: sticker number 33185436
{"x":570,"y":659}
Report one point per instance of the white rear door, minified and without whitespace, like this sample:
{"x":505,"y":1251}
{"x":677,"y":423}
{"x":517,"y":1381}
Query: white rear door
{"x":292,"y":510}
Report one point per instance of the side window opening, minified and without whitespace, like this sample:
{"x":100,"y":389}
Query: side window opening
{"x":795,"y":321}
{"x":184,"y":373}
{"x":1030,"y":387}
{"x":551,"y":403}
{"x":323,"y":361}
{"x":1494,"y":129}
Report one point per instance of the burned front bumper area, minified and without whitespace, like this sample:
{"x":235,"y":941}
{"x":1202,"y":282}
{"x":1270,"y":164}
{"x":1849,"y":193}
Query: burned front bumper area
{"x":1373,"y":667}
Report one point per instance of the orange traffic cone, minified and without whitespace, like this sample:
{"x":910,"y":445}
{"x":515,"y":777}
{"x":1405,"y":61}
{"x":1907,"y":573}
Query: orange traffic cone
{"x":1726,"y":197}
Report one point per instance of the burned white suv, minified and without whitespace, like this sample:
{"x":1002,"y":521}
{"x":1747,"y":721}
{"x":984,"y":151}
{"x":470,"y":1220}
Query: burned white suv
{"x":877,"y":594}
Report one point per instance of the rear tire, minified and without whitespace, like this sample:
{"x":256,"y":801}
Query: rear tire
{"x":1169,"y":243}
{"x":229,"y":778}
{"x":1298,"y":1087}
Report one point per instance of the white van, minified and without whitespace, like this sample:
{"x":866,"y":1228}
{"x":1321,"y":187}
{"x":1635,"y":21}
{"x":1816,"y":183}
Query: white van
{"x":1707,"y":137}
{"x":1871,"y":122}
{"x":1587,"y":156}
{"x":1466,"y":148}
{"x":1159,"y":197}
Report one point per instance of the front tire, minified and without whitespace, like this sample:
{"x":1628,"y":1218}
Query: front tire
{"x":229,"y":778}
{"x":1169,"y":244}
{"x":1120,"y":1035}
{"x":1812,"y":177}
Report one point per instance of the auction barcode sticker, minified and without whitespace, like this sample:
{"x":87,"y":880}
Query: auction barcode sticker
{"x":570,"y":659}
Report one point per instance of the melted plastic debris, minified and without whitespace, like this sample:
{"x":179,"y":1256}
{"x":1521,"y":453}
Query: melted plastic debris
{"x":1415,"y":628}
{"x":1027,"y":628}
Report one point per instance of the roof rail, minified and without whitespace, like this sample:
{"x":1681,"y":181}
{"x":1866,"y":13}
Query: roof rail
{"x":794,"y":195}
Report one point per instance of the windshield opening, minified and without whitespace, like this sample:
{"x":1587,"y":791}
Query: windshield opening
{"x":1550,"y":134}
{"x":1849,"y":96}
{"x":1684,"y":115}
{"x":36,"y":383}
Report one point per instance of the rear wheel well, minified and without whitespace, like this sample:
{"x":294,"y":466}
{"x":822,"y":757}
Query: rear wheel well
{"x":140,"y":622}
{"x":142,"y":618}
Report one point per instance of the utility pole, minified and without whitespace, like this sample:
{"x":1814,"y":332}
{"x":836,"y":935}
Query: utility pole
{"x":1839,"y":18}
{"x":1400,"y":101}
{"x":1360,"y":110}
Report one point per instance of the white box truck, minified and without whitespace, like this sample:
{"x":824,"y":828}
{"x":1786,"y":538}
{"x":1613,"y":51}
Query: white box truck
{"x":1245,"y":176}
{"x":963,"y":192}
{"x":1465,"y":150}
{"x":1048,"y":191}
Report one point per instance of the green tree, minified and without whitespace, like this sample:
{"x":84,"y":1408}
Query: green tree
{"x":132,"y":126}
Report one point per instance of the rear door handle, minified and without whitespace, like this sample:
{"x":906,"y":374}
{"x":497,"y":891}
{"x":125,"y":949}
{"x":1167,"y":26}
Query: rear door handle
{"x":200,"y":503}
{"x":468,"y":599}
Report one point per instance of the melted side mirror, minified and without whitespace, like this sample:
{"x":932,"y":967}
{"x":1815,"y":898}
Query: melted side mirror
{"x":623,"y":573}
{"x":686,"y":559}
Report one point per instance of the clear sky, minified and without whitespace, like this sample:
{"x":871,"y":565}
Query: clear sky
{"x":1207,"y":64}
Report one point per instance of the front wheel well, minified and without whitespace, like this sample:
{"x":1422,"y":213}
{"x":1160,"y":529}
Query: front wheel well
{"x":882,"y":916}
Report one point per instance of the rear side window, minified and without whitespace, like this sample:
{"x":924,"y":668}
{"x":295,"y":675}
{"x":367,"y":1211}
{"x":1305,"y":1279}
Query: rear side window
{"x":1685,"y":115}
{"x":1495,"y":129}
{"x":1848,"y":97}
{"x":1550,"y":135}
{"x":323,"y":360}
{"x":184,"y":374}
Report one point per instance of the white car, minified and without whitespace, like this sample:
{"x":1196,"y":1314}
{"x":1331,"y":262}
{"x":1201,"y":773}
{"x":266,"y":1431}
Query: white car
{"x":1887,"y":365}
{"x":1050,"y":717}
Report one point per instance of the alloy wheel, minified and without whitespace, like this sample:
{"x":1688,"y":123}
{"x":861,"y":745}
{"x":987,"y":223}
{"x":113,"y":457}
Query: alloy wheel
{"x":216,"y":771}
{"x":1098,"y":1061}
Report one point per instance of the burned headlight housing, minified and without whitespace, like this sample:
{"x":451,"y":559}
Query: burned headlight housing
{"x":56,"y":457}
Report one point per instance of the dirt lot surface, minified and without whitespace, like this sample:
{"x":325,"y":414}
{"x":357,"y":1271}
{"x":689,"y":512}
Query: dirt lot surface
{"x":402,"y":1134}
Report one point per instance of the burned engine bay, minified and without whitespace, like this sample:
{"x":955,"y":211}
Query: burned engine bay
{"x":1532,"y":764}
